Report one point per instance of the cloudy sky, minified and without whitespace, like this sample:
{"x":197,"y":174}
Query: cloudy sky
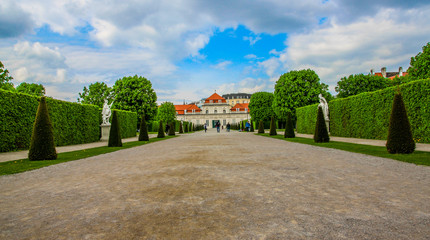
{"x":190,"y":48}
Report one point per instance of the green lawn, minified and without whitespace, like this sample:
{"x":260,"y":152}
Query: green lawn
{"x":23,"y":165}
{"x":417,"y":157}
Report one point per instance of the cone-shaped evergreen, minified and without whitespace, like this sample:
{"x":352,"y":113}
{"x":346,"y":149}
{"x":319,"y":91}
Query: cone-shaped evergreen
{"x":186,"y":127}
{"x":181,"y":130}
{"x":143,"y":131}
{"x":289,"y":128}
{"x":115,"y":133}
{"x":160,"y":130}
{"x":273,"y":127}
{"x":399,"y":131}
{"x":321,"y":133}
{"x":252,"y":126}
{"x":172,"y":129}
{"x":42,"y":145}
{"x":261,"y":127}
{"x":191,"y":127}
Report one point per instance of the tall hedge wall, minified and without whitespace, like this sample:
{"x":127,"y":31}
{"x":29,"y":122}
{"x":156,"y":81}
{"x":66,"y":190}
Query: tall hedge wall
{"x":367,"y":115}
{"x":127,"y":123}
{"x":73,"y":123}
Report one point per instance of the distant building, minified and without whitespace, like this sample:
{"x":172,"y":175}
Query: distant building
{"x":389,"y":75}
{"x":215,"y":108}
{"x":234,"y":98}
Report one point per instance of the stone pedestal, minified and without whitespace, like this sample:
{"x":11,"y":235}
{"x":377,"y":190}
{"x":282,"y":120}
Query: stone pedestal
{"x":105,"y":132}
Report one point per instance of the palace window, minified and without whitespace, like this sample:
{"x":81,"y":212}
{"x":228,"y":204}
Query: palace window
{"x":194,"y":110}
{"x":215,"y":111}
{"x":223,"y":111}
{"x":224,"y":122}
{"x":237,"y":109}
{"x":219,"y":101}
{"x":207,"y":111}
{"x":211,"y":101}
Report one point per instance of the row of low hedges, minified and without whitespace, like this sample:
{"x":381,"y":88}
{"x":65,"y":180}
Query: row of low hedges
{"x":73,"y":123}
{"x":367,"y":115}
{"x":153,"y":126}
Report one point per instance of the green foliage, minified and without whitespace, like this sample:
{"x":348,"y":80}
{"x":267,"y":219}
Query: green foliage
{"x":31,"y":88}
{"x":115,"y":132}
{"x":420,"y":64}
{"x":160,"y":130}
{"x":42,"y":146}
{"x":135,"y":94}
{"x":261,"y":127}
{"x":181,"y":130}
{"x":321,"y":133}
{"x":367,"y":115}
{"x":127,"y":123}
{"x":359,"y":83}
{"x":252,"y":127}
{"x":273,"y":127}
{"x":295,"y":89}
{"x":260,"y":106}
{"x":95,"y":94}
{"x":186,"y":128}
{"x":399,"y":138}
{"x":289,"y":127}
{"x":166,"y":112}
{"x":172,"y":128}
{"x":143,"y":131}
{"x":5,"y":79}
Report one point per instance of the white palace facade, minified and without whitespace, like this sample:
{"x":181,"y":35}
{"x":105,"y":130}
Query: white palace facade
{"x":214,"y":109}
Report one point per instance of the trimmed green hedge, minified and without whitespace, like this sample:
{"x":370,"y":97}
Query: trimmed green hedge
{"x":73,"y":123}
{"x":367,"y":115}
{"x":127,"y":123}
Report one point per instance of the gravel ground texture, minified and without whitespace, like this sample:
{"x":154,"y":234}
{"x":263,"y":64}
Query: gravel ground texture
{"x":219,"y":186}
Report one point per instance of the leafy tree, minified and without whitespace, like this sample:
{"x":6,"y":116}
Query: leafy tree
{"x":359,"y":83}
{"x":31,"y":88}
{"x":115,"y":134}
{"x":143,"y":131}
{"x":135,"y":94}
{"x":325,"y":92}
{"x":399,"y":131}
{"x":42,"y":145}
{"x":160,"y":130}
{"x":5,"y":79}
{"x":420,"y":64}
{"x":295,"y":89}
{"x":260,"y":106}
{"x":95,"y":94}
{"x":321,"y":133}
{"x":289,"y":127}
{"x":261,"y":127}
{"x":166,"y":112}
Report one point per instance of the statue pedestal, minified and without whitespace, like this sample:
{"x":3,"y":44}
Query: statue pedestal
{"x":105,"y":132}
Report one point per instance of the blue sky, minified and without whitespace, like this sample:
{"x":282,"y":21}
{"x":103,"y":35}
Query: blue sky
{"x":190,"y":48}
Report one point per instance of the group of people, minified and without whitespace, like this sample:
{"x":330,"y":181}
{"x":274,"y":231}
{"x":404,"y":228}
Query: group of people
{"x":228,"y":126}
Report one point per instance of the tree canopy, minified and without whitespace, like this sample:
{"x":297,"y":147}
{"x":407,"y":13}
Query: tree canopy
{"x":31,"y":88}
{"x":166,"y":112}
{"x":260,"y":106}
{"x":135,"y":94}
{"x":295,"y":89}
{"x":359,"y":83}
{"x":5,"y":79}
{"x":420,"y":64}
{"x":95,"y":94}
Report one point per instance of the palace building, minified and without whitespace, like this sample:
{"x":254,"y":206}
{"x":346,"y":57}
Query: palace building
{"x":235,"y":98}
{"x":215,"y":108}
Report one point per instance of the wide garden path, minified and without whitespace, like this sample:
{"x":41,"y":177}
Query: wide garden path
{"x":219,"y":186}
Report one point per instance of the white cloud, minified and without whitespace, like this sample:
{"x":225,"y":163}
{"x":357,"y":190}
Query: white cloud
{"x":222,"y":65}
{"x":270,"y":66}
{"x":252,"y":40}
{"x":250,"y":56}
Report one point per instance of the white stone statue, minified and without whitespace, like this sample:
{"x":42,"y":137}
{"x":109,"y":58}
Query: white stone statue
{"x":106,"y":112}
{"x":324,"y":106}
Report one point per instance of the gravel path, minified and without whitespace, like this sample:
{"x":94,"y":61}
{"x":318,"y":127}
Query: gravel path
{"x":219,"y":186}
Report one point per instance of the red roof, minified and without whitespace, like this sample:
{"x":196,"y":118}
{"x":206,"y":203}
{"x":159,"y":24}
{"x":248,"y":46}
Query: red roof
{"x":241,"y":107}
{"x":180,"y":109}
{"x":215,"y":99}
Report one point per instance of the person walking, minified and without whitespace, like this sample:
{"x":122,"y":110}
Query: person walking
{"x":217,"y":126}
{"x":206,"y":127}
{"x":247,"y":126}
{"x":228,"y":127}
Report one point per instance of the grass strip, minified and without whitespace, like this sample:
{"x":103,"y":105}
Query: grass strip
{"x":23,"y":165}
{"x":417,"y":157}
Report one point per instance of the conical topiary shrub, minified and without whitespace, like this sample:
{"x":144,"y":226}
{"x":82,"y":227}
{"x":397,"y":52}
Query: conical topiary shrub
{"x":252,"y":126}
{"x":273,"y":127}
{"x":42,"y":145}
{"x":399,"y":131}
{"x":172,"y":129}
{"x":185,"y":127}
{"x":181,"y":130}
{"x":115,"y":133}
{"x":160,"y":130}
{"x":191,"y":127}
{"x":143,"y":131}
{"x":261,"y":127}
{"x":289,"y":128}
{"x":321,"y":133}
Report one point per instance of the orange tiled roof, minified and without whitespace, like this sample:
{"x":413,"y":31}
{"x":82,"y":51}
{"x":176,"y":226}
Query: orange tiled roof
{"x":215,"y":97}
{"x":241,"y":107}
{"x":180,"y":109}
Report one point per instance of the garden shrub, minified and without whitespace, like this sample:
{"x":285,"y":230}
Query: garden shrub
{"x":172,"y":128}
{"x":261,"y":127}
{"x":115,"y":131}
{"x":399,"y":131}
{"x":252,"y":127}
{"x":272,"y":127}
{"x":160,"y":130}
{"x":181,"y":130}
{"x":42,"y":146}
{"x":143,"y":130}
{"x":289,"y":128}
{"x":321,"y":133}
{"x":127,"y":123}
{"x":366,"y":115}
